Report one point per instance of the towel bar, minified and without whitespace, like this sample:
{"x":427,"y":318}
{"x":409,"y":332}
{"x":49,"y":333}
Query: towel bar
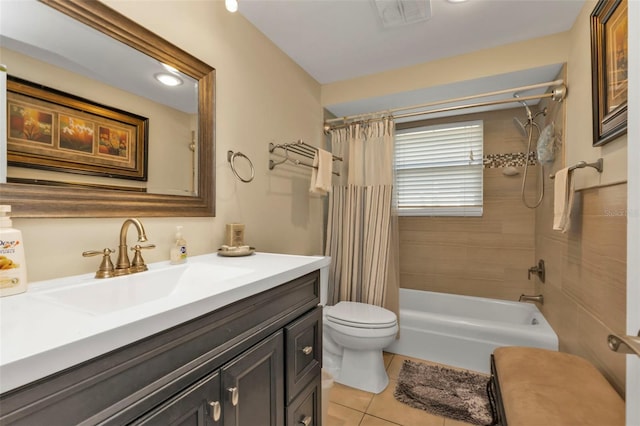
{"x":598,"y":165}
{"x":299,"y":148}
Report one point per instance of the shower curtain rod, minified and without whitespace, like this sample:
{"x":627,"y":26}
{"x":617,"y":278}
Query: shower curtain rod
{"x":391,"y":112}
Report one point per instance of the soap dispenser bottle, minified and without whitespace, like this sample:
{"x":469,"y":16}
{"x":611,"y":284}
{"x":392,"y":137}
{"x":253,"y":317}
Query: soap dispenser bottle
{"x":13,"y":269}
{"x":179,"y":250}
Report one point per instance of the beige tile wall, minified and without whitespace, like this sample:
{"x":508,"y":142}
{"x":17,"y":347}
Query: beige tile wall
{"x":585,"y":289}
{"x":484,"y":256}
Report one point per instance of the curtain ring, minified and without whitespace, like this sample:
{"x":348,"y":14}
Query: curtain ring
{"x":231,"y":158}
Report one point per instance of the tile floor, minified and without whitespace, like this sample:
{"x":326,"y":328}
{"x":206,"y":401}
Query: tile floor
{"x":353,"y":407}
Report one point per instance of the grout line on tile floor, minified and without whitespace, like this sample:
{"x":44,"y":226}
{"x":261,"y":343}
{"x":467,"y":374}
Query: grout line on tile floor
{"x":379,"y":418}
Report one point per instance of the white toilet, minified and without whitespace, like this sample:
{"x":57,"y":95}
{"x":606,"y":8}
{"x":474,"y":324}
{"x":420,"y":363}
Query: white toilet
{"x":354,"y":335}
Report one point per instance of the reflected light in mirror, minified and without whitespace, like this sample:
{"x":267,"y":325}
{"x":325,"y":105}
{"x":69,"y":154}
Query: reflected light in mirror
{"x":168,"y":79}
{"x":231,"y":5}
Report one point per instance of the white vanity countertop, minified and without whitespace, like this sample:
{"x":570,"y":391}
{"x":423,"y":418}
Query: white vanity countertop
{"x":40,"y":334}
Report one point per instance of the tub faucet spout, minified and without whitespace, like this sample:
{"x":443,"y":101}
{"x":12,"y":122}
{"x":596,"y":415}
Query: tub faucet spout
{"x":527,"y":298}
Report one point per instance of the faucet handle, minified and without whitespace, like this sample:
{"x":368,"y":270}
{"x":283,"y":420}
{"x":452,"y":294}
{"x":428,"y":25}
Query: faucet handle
{"x":538,"y":270}
{"x":138,"y":265}
{"x":105,"y":270}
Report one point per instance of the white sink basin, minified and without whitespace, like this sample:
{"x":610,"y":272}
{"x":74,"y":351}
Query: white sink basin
{"x":103,"y":296}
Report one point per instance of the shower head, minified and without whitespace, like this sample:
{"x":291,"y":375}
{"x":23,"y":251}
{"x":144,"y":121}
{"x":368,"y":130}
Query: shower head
{"x":522,"y":128}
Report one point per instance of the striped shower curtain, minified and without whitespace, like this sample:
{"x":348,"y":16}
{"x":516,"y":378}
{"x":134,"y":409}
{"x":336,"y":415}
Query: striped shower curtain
{"x":362,"y":226}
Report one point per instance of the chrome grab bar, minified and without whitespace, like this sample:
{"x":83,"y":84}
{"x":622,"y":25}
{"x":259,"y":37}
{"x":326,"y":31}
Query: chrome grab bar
{"x":624,"y":344}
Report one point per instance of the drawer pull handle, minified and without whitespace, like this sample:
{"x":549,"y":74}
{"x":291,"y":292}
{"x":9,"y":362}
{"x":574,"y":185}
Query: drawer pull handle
{"x":216,"y":410}
{"x":307,"y":350}
{"x":234,"y":396}
{"x":306,"y":421}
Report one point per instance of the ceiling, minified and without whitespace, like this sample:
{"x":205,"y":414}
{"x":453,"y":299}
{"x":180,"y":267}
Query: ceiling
{"x":335,"y":40}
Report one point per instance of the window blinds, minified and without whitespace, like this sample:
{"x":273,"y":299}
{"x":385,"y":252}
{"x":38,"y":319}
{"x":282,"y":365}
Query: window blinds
{"x":439,"y":170}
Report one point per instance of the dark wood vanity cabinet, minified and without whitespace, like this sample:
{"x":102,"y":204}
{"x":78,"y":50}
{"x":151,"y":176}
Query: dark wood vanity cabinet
{"x":254,"y":362}
{"x":249,"y":390}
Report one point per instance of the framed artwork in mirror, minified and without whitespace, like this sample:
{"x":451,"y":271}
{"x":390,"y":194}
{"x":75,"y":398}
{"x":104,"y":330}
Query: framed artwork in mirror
{"x":609,"y":70}
{"x":53,"y":130}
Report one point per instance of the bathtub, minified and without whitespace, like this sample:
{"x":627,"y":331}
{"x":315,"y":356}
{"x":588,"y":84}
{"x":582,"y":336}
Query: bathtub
{"x":463,"y":331}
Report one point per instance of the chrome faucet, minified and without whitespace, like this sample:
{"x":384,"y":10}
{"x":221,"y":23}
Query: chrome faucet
{"x":526,"y":298}
{"x":123,"y":266}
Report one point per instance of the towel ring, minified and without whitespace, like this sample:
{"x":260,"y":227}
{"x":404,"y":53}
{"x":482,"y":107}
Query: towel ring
{"x":231,"y":158}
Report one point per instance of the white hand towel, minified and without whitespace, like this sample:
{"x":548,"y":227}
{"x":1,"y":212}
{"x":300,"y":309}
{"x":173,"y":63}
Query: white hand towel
{"x":321,"y":172}
{"x":562,"y":200}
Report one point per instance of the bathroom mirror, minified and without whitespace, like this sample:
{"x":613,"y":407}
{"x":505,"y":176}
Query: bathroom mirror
{"x":32,"y":195}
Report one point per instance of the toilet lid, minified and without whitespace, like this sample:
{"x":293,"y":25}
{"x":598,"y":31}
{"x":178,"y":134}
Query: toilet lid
{"x":360,"y":315}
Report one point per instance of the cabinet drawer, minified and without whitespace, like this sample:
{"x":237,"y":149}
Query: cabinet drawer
{"x":305,"y":409}
{"x":304,"y":351}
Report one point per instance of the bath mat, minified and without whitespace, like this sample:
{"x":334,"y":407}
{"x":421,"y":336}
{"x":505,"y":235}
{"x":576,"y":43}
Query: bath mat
{"x":456,"y":394}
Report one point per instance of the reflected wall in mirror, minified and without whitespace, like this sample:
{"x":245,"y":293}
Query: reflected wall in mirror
{"x":181,"y":118}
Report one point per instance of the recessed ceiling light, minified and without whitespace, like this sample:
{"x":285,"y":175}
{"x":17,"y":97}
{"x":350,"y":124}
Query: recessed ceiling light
{"x":457,"y":1}
{"x":168,"y":79}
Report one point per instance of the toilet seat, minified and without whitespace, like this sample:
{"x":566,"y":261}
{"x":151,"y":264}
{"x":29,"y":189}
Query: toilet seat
{"x":360,"y":315}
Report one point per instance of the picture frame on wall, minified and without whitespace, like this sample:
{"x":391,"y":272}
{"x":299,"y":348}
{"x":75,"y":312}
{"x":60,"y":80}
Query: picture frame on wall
{"x":609,"y":53}
{"x":53,"y":130}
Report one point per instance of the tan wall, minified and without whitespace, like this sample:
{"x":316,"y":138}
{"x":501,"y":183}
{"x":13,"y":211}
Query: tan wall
{"x":262,"y":96}
{"x":484,"y":256}
{"x":579,"y":115}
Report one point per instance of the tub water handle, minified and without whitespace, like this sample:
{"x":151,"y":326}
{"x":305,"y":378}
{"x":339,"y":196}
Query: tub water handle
{"x":538,"y":270}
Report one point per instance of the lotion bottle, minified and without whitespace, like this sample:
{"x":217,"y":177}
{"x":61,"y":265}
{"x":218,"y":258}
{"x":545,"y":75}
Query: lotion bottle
{"x":13,"y":269}
{"x":179,"y":250}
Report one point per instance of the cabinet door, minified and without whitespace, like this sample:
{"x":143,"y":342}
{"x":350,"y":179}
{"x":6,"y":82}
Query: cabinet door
{"x":253,"y":385}
{"x":198,"y":405}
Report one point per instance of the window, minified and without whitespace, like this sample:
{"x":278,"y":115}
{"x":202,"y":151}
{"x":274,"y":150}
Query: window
{"x":439,"y":170}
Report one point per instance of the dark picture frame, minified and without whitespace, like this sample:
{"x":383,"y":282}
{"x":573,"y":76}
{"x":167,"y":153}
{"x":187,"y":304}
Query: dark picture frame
{"x":609,"y":70}
{"x":53,"y":130}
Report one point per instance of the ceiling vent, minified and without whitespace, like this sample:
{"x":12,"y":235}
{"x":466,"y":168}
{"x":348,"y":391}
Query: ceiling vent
{"x":396,"y":13}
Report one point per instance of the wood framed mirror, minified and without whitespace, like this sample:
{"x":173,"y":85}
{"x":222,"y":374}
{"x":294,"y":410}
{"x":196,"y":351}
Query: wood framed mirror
{"x":31,"y":199}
